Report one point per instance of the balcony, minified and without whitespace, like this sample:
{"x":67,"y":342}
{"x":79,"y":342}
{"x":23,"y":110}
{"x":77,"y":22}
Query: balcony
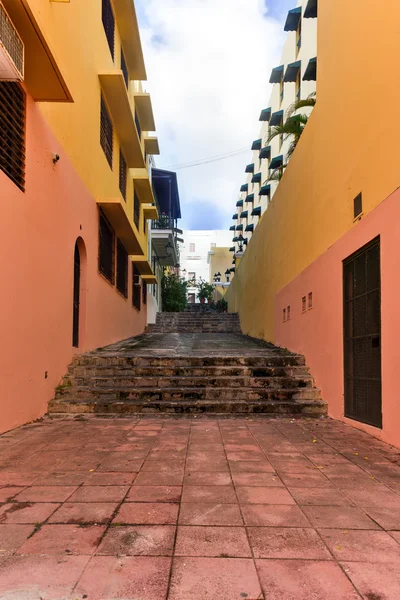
{"x":151,"y":145}
{"x":43,"y":78}
{"x":164,"y":230}
{"x":116,"y":96}
{"x":128,"y":28}
{"x":115,"y":210}
{"x":145,"y":110}
{"x":142,"y":185}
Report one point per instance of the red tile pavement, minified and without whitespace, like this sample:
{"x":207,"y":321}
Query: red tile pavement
{"x":188,"y":509}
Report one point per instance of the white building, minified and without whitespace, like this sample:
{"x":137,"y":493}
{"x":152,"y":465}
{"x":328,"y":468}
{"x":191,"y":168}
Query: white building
{"x":294,"y":78}
{"x":194,"y":254}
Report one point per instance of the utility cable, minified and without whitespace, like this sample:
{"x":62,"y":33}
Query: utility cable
{"x":205,"y":161}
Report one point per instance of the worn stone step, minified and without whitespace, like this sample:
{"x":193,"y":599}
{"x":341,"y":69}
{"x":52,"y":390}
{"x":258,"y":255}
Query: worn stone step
{"x":129,"y":382}
{"x":116,"y":394}
{"x":230,"y":406}
{"x":193,"y":371}
{"x":261,"y":362}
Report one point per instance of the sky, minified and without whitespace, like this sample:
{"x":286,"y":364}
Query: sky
{"x":208,"y":64}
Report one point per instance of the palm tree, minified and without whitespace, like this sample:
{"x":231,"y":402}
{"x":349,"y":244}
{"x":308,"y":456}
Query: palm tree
{"x":276,"y":174}
{"x":308,"y":102}
{"x":292,"y":127}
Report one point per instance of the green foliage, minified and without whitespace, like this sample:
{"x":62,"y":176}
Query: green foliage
{"x":222,"y":306}
{"x":173,"y":293}
{"x":205,"y":290}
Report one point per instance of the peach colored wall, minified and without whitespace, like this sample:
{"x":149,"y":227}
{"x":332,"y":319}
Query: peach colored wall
{"x":38,"y":231}
{"x":318,"y":333}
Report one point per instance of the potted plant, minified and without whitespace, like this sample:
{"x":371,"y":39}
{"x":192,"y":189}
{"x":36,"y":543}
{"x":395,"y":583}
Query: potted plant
{"x":205,"y":291}
{"x":222,"y":306}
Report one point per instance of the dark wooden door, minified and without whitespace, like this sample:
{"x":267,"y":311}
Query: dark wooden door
{"x":76,"y":303}
{"x":362,"y":335}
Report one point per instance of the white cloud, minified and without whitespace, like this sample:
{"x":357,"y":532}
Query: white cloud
{"x":208,"y":65}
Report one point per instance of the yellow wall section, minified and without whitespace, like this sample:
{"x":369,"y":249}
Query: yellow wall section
{"x":220,"y":261}
{"x":349,"y":145}
{"x":69,"y":28}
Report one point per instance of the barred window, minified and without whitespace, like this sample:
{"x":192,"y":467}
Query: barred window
{"x":136,"y":210}
{"x":12,"y":132}
{"x":106,"y":249}
{"x":106,"y":132}
{"x":107,"y":17}
{"x":144,"y":294}
{"x":124,"y":68}
{"x":136,"y":291}
{"x":122,"y":175}
{"x":138,"y":126}
{"x":122,"y":269}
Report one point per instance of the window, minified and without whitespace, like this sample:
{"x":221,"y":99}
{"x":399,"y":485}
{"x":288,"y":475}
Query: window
{"x":136,"y":210}
{"x":122,"y":269}
{"x":144,"y":293}
{"x":288,"y":313}
{"x":358,"y":206}
{"x":192,"y":247}
{"x":106,"y":249}
{"x":122,"y":175}
{"x":298,"y":86}
{"x":298,"y":36}
{"x":304,"y":304}
{"x":107,"y":17}
{"x":106,"y":132}
{"x":138,"y":126}
{"x":282,"y":90}
{"x":191,"y":276}
{"x":284,"y":315}
{"x":213,"y":246}
{"x":124,"y":69}
{"x":144,"y":224}
{"x":310,"y":301}
{"x":12,"y":132}
{"x":136,"y":291}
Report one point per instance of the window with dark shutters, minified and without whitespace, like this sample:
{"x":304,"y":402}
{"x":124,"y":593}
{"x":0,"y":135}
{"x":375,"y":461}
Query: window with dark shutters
{"x":122,"y":175}
{"x":106,"y":132}
{"x":136,"y":287}
{"x":122,"y":269}
{"x":138,"y":126}
{"x":12,"y":132}
{"x":144,"y":290}
{"x":124,"y":68}
{"x":106,"y":249}
{"x":136,"y":210}
{"x":107,"y":17}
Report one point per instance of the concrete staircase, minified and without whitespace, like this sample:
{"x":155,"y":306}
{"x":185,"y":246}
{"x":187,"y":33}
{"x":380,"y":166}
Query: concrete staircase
{"x":195,"y":322}
{"x":180,"y":368}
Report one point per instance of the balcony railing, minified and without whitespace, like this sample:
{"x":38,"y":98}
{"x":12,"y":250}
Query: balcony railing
{"x":164,"y":222}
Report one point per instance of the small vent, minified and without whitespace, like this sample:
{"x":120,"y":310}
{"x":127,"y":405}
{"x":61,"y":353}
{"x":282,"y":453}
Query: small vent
{"x":12,"y":132}
{"x":136,"y":291}
{"x":304,"y":304}
{"x":106,"y":249}
{"x":310,"y":300}
{"x":124,"y":68}
{"x":106,"y":132}
{"x":11,"y":48}
{"x":136,"y":210}
{"x":358,"y":206}
{"x":108,"y":24}
{"x":122,"y":269}
{"x":122,"y":175}
{"x":288,"y":313}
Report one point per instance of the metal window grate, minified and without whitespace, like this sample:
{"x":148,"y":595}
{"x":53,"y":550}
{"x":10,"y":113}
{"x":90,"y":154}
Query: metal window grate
{"x":138,"y":126}
{"x":358,"y":206}
{"x":136,"y":210}
{"x":12,"y":132}
{"x":107,"y":17}
{"x":303,"y":304}
{"x":144,"y":293}
{"x":122,"y":175}
{"x":11,"y":40}
{"x":106,"y":249}
{"x":136,"y":287}
{"x":124,"y":68}
{"x":288,"y":313}
{"x":106,"y":132}
{"x":122,"y":269}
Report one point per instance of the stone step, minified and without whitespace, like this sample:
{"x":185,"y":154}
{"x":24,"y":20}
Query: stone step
{"x":129,"y":382}
{"x":265,"y":361}
{"x":194,"y":371}
{"x":116,"y":394}
{"x":313,"y":408}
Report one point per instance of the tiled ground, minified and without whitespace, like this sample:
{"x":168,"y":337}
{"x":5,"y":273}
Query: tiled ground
{"x":193,"y":509}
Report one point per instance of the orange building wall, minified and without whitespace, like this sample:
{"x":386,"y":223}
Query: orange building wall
{"x":38,"y":231}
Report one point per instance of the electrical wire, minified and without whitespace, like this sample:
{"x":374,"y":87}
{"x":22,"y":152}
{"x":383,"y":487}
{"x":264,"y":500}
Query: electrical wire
{"x":205,"y":161}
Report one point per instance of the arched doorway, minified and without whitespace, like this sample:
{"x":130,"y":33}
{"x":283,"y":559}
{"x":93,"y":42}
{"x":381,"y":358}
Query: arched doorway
{"x":77,"y":296}
{"x":79,"y":287}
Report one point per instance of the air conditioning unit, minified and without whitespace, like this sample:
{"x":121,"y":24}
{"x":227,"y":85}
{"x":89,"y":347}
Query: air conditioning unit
{"x":11,"y":50}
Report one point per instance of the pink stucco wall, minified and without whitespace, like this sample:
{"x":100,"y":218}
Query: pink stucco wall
{"x":38,"y":230}
{"x":318,"y":333}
